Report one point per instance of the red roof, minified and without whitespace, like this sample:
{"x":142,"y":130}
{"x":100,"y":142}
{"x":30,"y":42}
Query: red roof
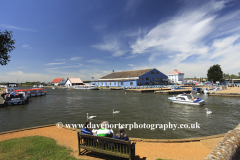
{"x":57,"y":80}
{"x":175,"y":71}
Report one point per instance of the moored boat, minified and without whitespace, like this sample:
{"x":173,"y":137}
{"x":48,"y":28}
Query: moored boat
{"x":187,"y":99}
{"x":19,"y":98}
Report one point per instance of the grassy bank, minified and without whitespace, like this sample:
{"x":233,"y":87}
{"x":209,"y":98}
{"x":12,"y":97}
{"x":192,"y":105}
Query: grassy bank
{"x":35,"y":147}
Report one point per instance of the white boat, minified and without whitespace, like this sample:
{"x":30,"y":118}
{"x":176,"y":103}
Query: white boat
{"x":86,"y":87}
{"x":207,"y":91}
{"x":187,"y":99}
{"x":35,"y":86}
{"x":11,"y":87}
{"x":40,"y":86}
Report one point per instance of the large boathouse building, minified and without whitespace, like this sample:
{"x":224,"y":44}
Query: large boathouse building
{"x":133,"y":78}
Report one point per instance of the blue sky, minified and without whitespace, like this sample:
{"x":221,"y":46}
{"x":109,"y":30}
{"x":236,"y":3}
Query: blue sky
{"x":79,"y":38}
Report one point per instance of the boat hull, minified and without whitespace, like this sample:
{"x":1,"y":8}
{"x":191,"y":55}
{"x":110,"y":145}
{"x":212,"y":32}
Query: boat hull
{"x":16,"y":101}
{"x":198,"y":103}
{"x":189,"y":103}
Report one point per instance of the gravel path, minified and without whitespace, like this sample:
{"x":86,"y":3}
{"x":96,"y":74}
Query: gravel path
{"x":144,"y":150}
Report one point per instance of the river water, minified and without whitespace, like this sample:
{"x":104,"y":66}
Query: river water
{"x":70,"y":106}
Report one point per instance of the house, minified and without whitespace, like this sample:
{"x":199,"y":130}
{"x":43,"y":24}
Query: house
{"x":132,"y":78}
{"x":73,"y":81}
{"x":176,"y":77}
{"x":58,"y":81}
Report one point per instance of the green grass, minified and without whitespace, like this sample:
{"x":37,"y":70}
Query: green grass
{"x":35,"y":147}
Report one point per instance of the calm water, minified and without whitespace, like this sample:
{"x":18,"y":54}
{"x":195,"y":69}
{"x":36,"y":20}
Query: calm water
{"x":70,"y":107}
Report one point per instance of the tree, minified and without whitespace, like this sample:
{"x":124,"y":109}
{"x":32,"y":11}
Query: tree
{"x":6,"y":46}
{"x":215,"y":73}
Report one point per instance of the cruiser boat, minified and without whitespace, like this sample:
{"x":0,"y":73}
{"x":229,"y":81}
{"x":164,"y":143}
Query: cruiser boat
{"x":19,"y":98}
{"x":207,"y":91}
{"x":86,"y":87}
{"x":187,"y":99}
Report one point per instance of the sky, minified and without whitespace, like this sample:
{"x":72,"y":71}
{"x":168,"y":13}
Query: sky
{"x":85,"y":39}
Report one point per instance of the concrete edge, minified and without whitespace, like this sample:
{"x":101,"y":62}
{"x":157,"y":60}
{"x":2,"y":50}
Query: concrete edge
{"x":24,"y":129}
{"x":131,"y":138}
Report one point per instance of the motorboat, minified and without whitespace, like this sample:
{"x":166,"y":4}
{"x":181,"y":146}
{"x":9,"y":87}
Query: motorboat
{"x":40,"y":86}
{"x":19,"y":98}
{"x":35,"y":86}
{"x":186,"y":99}
{"x":196,"y":90}
{"x":208,"y":91}
{"x":86,"y":87}
{"x":11,"y":87}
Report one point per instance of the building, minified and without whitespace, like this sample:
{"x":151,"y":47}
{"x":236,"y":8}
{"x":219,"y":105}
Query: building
{"x":132,"y":78}
{"x":176,"y":77}
{"x":73,"y":81}
{"x":58,"y":81}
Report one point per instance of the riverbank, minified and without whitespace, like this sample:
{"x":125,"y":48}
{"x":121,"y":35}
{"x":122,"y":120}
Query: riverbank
{"x":196,"y":149}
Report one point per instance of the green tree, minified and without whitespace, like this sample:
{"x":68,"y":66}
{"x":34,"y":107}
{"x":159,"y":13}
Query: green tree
{"x":215,"y":73}
{"x":6,"y":46}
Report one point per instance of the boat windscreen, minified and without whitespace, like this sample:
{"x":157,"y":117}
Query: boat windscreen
{"x":189,"y":97}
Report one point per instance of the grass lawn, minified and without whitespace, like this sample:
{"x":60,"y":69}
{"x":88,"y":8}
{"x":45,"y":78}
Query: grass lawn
{"x":35,"y":147}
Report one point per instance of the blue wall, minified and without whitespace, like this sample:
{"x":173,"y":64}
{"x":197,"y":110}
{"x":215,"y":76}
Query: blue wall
{"x":149,"y":78}
{"x":152,"y":78}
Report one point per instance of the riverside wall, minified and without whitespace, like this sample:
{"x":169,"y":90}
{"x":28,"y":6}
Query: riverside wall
{"x":228,"y":148}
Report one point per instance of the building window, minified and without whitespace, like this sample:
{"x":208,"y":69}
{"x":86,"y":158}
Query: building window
{"x":122,"y":83}
{"x":143,"y":79}
{"x":157,"y":79}
{"x":157,"y":72}
{"x":131,"y":83}
{"x":152,"y":72}
{"x":114,"y":83}
{"x":102,"y":83}
{"x":106,"y":83}
{"x":147,"y":79}
{"x":147,"y":83}
{"x":110,"y":83}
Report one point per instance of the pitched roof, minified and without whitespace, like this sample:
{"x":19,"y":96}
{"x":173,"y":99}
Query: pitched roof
{"x":75,"y":80}
{"x":57,"y":80}
{"x":126,"y":74}
{"x":175,"y":71}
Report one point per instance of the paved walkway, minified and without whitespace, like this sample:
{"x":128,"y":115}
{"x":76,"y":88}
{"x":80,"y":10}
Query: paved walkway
{"x":196,"y":150}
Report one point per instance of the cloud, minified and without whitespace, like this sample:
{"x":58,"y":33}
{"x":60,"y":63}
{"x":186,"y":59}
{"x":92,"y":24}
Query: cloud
{"x":26,"y":46}
{"x":131,"y":65}
{"x":75,"y":58}
{"x":96,"y":61}
{"x":110,"y":44}
{"x":55,"y":63}
{"x":64,"y":67}
{"x":17,"y":28}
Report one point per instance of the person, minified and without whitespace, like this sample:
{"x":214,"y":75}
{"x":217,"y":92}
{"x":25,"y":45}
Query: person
{"x":121,"y":135}
{"x":12,"y":94}
{"x":104,"y":131}
{"x":3,"y":95}
{"x":85,"y":130}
